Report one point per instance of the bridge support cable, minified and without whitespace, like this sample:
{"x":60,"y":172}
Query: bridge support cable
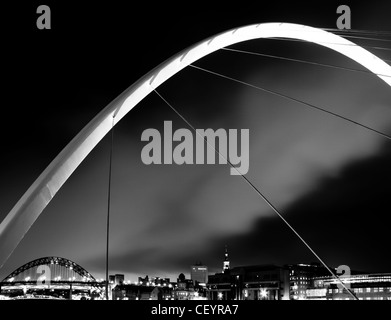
{"x":333,"y":43}
{"x":381,"y":33}
{"x":294,"y":100}
{"x":364,"y":38}
{"x":304,"y":61}
{"x":260,"y":194}
{"x":108,"y":211}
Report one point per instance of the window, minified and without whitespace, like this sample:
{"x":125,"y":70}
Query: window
{"x":368,"y":298}
{"x":375,"y":289}
{"x":368,"y":290}
{"x":360,"y":290}
{"x":381,"y":289}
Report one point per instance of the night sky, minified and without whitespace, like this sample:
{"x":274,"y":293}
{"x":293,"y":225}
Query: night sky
{"x":330,"y":179}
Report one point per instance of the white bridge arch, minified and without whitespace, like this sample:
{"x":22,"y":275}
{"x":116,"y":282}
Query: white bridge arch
{"x":33,"y":202}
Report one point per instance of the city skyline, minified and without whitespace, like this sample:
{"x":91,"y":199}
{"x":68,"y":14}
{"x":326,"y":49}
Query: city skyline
{"x":65,"y":279}
{"x":225,"y":265}
{"x":327,"y":177}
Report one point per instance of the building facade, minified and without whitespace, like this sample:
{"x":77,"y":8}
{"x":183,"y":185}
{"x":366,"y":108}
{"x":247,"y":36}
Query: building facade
{"x":199,"y":273}
{"x":140,"y":292}
{"x":153,"y":281}
{"x":261,"y":282}
{"x":363,"y":286}
{"x":301,"y":276}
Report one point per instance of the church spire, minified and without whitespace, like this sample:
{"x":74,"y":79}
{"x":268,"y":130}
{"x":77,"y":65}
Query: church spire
{"x":226,"y":260}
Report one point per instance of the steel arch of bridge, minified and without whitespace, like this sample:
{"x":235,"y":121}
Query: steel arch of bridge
{"x":48,"y":261}
{"x":33,"y":202}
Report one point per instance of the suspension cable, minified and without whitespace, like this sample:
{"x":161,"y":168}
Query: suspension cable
{"x":259,"y":194}
{"x":303,"y":61}
{"x":358,"y":31}
{"x":108,"y":210}
{"x":293,"y":99}
{"x":333,"y":43}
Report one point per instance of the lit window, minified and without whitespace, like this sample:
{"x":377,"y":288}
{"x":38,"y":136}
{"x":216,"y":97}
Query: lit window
{"x":368,"y":290}
{"x":375,"y":289}
{"x":360,"y":290}
{"x":368,"y":298}
{"x":381,"y":289}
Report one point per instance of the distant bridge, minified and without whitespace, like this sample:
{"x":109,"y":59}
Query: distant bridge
{"x":50,"y":273}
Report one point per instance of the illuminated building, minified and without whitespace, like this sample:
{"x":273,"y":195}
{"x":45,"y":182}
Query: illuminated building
{"x":199,"y":273}
{"x":136,"y":292}
{"x":116,"y":279}
{"x":182,"y":282}
{"x":153,"y":281}
{"x":300,"y":277}
{"x":186,"y":289}
{"x":260,"y":282}
{"x":111,"y":279}
{"x":364,"y":287}
{"x":220,"y":287}
{"x":160,"y":281}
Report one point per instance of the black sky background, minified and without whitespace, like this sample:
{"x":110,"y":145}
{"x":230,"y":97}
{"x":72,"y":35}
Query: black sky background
{"x":55,"y":81}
